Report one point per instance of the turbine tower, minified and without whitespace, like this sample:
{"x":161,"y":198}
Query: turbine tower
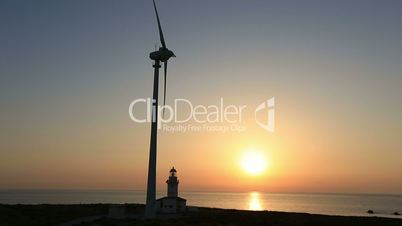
{"x":161,"y":55}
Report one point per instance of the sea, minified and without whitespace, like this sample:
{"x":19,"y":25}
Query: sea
{"x":316,"y":203}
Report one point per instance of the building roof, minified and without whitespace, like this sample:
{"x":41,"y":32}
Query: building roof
{"x":177,"y":198}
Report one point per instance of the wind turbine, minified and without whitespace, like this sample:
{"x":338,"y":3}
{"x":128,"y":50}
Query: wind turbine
{"x":161,"y":55}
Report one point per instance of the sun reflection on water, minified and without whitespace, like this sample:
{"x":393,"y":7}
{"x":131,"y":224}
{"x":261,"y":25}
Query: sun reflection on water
{"x":254,"y":202}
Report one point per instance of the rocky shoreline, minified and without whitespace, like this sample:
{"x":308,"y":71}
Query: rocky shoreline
{"x":130,"y":214}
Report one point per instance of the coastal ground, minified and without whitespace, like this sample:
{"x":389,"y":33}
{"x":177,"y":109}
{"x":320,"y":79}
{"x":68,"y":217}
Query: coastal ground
{"x":59,"y":214}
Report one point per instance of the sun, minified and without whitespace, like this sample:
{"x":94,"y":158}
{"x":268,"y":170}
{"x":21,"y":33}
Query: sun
{"x":254,"y":162}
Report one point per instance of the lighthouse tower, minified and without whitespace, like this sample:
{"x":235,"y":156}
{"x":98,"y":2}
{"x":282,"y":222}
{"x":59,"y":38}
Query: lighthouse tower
{"x":172,"y":203}
{"x":172,"y":183}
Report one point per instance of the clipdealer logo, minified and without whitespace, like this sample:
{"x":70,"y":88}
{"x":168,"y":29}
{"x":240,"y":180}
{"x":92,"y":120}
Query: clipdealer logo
{"x":269,"y":107}
{"x":219,"y":117}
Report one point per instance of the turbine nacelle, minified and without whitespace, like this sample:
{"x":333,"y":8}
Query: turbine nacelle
{"x":163,"y":54}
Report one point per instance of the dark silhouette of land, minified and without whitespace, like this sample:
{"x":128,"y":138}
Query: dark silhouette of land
{"x":58,"y":214}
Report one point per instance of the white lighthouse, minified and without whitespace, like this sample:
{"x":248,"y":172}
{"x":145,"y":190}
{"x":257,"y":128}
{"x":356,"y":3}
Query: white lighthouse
{"x":172,"y":203}
{"x":172,"y":183}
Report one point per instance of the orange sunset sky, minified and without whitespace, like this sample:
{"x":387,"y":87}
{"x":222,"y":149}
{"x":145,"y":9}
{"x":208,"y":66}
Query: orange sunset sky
{"x":71,"y":69}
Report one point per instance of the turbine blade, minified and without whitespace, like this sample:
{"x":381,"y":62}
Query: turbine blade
{"x":159,"y":26}
{"x":164,"y":89}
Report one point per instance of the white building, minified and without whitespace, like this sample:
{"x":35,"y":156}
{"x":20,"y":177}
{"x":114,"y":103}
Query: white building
{"x":172,"y":203}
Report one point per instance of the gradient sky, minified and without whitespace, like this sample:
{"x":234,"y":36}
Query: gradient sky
{"x":69,"y":70}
